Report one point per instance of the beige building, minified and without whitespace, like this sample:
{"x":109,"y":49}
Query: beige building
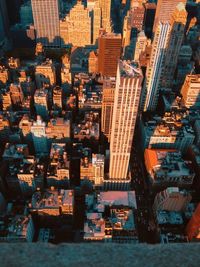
{"x":13,"y":63}
{"x":58,"y":173}
{"x":126,"y":32}
{"x":191,"y":91}
{"x":41,"y":102}
{"x":105,"y":6}
{"x":75,"y":29}
{"x":57,"y":97}
{"x":66,"y":76}
{"x":125,"y":111}
{"x":164,"y":10}
{"x":4,"y":75}
{"x":172,"y":199}
{"x":96,"y":22}
{"x":93,"y":62}
{"x":45,"y":74}
{"x":59,"y":129}
{"x":25,"y":126}
{"x":16,"y":94}
{"x":141,"y":45}
{"x":107,"y":106}
{"x":4,"y":128}
{"x":6,"y":99}
{"x":92,"y":168}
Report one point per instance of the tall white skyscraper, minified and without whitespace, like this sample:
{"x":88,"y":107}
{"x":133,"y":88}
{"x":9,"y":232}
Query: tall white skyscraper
{"x":155,"y":67}
{"x":46,"y":21}
{"x":126,"y":102}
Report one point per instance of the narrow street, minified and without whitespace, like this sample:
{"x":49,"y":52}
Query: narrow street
{"x":147,"y":231}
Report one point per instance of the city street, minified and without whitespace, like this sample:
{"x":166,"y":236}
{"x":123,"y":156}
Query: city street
{"x":145,"y":219}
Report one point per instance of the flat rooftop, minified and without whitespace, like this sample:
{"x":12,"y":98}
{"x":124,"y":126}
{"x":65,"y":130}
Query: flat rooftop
{"x":129,"y":69}
{"x":118,"y":198}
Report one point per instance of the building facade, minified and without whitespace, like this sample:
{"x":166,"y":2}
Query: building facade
{"x":177,"y":22}
{"x":46,"y":22}
{"x":107,"y":106}
{"x":164,"y":10}
{"x":76,"y":27}
{"x":191,"y":91}
{"x":38,"y":130}
{"x":172,"y":199}
{"x":125,"y":111}
{"x":155,"y":68}
{"x":109,"y":53}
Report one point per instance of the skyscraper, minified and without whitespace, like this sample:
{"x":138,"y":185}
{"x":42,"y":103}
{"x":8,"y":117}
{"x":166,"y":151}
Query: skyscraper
{"x":155,"y":67}
{"x":109,"y":53}
{"x":76,"y":27}
{"x":107,"y":106}
{"x":46,"y":22}
{"x":96,"y":22}
{"x":137,"y":15}
{"x":105,"y":6}
{"x":126,"y":33}
{"x":141,"y":44}
{"x":191,"y":91}
{"x":164,"y":10}
{"x":126,"y":103}
{"x":178,"y":22}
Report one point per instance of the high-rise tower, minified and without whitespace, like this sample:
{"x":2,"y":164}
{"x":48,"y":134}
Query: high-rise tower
{"x":76,"y":27}
{"x":109,"y":53}
{"x":126,"y":103}
{"x":155,"y":67}
{"x":105,"y":6}
{"x":164,"y":10}
{"x":46,"y":21}
{"x":107,"y":106}
{"x":96,"y":22}
{"x":191,"y":91}
{"x":178,"y":22}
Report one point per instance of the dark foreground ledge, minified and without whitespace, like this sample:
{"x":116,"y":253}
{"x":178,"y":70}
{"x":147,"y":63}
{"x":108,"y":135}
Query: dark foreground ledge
{"x":86,"y":255}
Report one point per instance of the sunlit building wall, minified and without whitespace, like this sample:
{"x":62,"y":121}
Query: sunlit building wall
{"x":46,"y":22}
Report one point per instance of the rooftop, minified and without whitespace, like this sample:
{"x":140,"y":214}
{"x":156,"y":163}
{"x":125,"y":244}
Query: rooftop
{"x":166,"y":162}
{"x":16,"y":228}
{"x":15,"y":151}
{"x":130,"y":69}
{"x":52,"y":199}
{"x":122,"y":219}
{"x":169,"y":217}
{"x":174,"y":123}
{"x":94,"y":227}
{"x":116,"y":198}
